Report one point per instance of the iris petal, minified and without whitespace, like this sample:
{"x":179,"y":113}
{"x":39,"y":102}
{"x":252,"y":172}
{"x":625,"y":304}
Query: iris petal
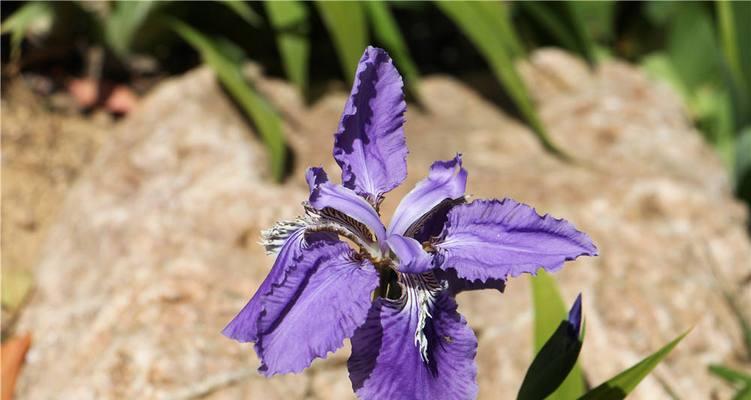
{"x":319,"y":303}
{"x":457,"y":285}
{"x":412,"y":258}
{"x":386,"y":363}
{"x":244,"y":327}
{"x":329,"y":195}
{"x":491,"y":239}
{"x":369,"y":145}
{"x":447,"y":180}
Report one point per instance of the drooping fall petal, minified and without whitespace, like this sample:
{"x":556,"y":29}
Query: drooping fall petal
{"x":387,"y":362}
{"x":319,"y":303}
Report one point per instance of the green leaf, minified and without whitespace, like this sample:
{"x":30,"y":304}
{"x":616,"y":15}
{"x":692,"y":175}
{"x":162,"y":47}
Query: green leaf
{"x":692,"y":46}
{"x":222,"y":58}
{"x":24,"y":19}
{"x":387,"y":32}
{"x":735,"y":37}
{"x":291,"y":25}
{"x":743,"y":190}
{"x":549,"y":311}
{"x":124,"y":23}
{"x":496,"y":13}
{"x":552,"y":365}
{"x":348,"y":28}
{"x":596,"y":17}
{"x":743,"y":394}
{"x":622,"y":384}
{"x":484,"y":25}
{"x":659,"y":66}
{"x":242,"y":9}
{"x":660,"y":12}
{"x":548,"y":16}
{"x":730,"y":375}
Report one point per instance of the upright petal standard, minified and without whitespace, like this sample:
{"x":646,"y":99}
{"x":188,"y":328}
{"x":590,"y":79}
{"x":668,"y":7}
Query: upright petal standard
{"x":369,"y":145}
{"x":391,"y":290}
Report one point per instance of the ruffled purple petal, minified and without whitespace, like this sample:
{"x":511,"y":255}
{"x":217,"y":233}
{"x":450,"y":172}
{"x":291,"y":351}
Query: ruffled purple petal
{"x":315,"y":176}
{"x":244,"y":327}
{"x":319,"y":303}
{"x":369,"y":145}
{"x":386,"y":363}
{"x":457,"y":285}
{"x":412,"y":258}
{"x":491,"y":239}
{"x":328,"y":195}
{"x":446,"y":182}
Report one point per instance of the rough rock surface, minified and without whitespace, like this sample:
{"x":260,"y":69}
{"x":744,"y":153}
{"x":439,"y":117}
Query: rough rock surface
{"x":155,"y":248}
{"x":42,"y":155}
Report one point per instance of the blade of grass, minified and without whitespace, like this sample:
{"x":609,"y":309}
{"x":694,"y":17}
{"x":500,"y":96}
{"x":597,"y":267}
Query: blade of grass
{"x":596,"y":17}
{"x":124,"y":23}
{"x":555,"y":360}
{"x":242,"y":9}
{"x":22,"y":20}
{"x":692,"y":46}
{"x":735,"y":37}
{"x":387,"y":32}
{"x":481,"y":27}
{"x":348,"y":28}
{"x":229,"y":71}
{"x":550,"y":20}
{"x":549,"y":311}
{"x":291,"y":24}
{"x":743,"y":190}
{"x":730,"y":375}
{"x":495,"y":13}
{"x":619,"y":386}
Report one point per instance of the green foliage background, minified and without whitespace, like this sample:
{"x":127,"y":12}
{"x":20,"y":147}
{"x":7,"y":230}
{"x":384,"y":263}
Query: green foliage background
{"x":702,"y":49}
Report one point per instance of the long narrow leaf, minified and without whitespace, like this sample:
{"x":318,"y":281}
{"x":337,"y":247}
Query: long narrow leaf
{"x":743,"y":190}
{"x":622,"y":384}
{"x":124,"y":23}
{"x":291,"y":24}
{"x":348,"y":28}
{"x":692,"y":46}
{"x":481,"y":27}
{"x":229,"y":72}
{"x":555,"y":360}
{"x":549,"y":311}
{"x":550,"y":19}
{"x":387,"y":32}
{"x":25,"y":17}
{"x":735,"y":36}
{"x":743,"y":394}
{"x":730,"y":375}
{"x":596,"y":17}
{"x":245,"y":12}
{"x":495,"y":13}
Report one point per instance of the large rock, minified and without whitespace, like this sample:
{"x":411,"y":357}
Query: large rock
{"x":155,"y":248}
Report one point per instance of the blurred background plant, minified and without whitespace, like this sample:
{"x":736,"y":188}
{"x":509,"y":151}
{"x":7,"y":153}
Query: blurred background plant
{"x":701,"y":49}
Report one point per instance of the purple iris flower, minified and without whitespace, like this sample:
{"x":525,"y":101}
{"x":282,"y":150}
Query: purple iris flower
{"x":390,"y":289}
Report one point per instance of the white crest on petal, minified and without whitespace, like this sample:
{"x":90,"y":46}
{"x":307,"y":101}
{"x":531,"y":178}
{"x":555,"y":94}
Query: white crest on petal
{"x":421,"y":291}
{"x":335,"y":221}
{"x":274,"y":238}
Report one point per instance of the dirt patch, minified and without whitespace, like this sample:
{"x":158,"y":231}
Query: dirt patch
{"x":42,"y":154}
